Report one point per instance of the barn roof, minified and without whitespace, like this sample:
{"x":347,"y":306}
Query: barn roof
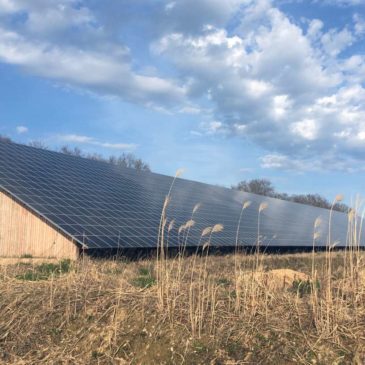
{"x":101,"y":205}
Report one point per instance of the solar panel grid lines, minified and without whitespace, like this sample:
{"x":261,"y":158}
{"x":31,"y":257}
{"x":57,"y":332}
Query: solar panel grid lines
{"x":63,"y":200}
{"x":87,"y":213}
{"x":105,"y":206}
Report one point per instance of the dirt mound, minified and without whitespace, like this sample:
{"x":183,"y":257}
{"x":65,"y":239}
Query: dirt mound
{"x":286,"y":277}
{"x":278,"y":278}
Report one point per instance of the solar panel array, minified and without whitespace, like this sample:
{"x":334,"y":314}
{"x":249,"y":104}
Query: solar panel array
{"x":101,"y":205}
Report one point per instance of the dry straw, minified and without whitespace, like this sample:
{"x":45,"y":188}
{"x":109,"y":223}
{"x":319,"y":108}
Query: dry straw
{"x":263,"y":206}
{"x":206,"y":231}
{"x":179,"y":172}
{"x":317,"y":222}
{"x":246,"y":204}
{"x":313,"y":316}
{"x":181,"y":228}
{"x":339,"y":197}
{"x":196,"y":207}
{"x":217,"y":228}
{"x":190,"y":223}
{"x":171,"y":225}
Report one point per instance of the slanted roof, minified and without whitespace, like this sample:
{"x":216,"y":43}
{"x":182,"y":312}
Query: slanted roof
{"x":102,"y":205}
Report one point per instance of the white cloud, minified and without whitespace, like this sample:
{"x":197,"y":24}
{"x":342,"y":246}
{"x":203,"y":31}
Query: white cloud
{"x":281,"y":106}
{"x":334,"y":42}
{"x":21,"y":129}
{"x":274,"y":161}
{"x":279,"y":80}
{"x":315,"y":29}
{"x":58,"y":17}
{"x":81,"y":139}
{"x":104,"y":73}
{"x":342,"y":2}
{"x":359,"y":24}
{"x":214,"y":127}
{"x":192,"y":15}
{"x":258,"y":88}
{"x":75,"y":138}
{"x":306,"y":129}
{"x":245,"y":67}
{"x":49,"y":15}
{"x":282,"y":162}
{"x":118,"y":146}
{"x":65,"y":40}
{"x":190,"y":110}
{"x":7,"y":6}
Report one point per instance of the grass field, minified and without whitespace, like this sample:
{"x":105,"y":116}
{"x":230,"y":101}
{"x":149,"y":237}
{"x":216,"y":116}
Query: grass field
{"x":304,"y":308}
{"x":233,"y":309}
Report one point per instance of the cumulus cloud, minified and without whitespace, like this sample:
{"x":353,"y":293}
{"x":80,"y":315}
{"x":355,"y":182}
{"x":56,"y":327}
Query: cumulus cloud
{"x":245,"y":67}
{"x":337,"y":163}
{"x":189,"y":16}
{"x":103,"y":73}
{"x":7,"y":6}
{"x":285,"y":87}
{"x":359,"y":24}
{"x":97,"y":63}
{"x":342,"y":2}
{"x":334,"y":42}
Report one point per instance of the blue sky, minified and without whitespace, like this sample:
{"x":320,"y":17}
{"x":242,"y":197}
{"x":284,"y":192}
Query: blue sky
{"x":228,"y":90}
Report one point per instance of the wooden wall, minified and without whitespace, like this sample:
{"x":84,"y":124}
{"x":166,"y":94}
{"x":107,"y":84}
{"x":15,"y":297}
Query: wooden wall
{"x":24,"y":233}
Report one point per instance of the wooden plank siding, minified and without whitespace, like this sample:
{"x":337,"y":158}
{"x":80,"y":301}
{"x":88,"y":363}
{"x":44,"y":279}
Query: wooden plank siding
{"x":24,"y":233}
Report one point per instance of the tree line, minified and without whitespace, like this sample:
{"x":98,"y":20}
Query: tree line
{"x":266,"y":188}
{"x":124,"y":159}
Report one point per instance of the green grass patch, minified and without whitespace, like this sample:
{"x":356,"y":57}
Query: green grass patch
{"x":224,"y":282}
{"x":145,"y":278}
{"x":144,"y":271}
{"x":235,"y":349}
{"x":303,"y":287}
{"x":199,"y":347}
{"x":144,"y":281}
{"x":46,"y":270}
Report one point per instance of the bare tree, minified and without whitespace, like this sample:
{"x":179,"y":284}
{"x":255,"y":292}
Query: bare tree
{"x":256,"y":186}
{"x":95,"y":157}
{"x":75,"y":151}
{"x":124,"y":160}
{"x":38,"y":144}
{"x":312,"y":199}
{"x":5,"y":139}
{"x":266,"y":188}
{"x":129,"y":160}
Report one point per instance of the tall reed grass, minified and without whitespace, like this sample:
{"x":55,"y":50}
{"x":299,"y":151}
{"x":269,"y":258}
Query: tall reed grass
{"x":331,"y":299}
{"x":198,"y":308}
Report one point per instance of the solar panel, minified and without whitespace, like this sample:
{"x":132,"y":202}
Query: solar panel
{"x":102,"y":205}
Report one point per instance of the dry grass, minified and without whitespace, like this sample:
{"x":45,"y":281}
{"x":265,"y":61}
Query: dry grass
{"x":202,"y":309}
{"x":99,"y":312}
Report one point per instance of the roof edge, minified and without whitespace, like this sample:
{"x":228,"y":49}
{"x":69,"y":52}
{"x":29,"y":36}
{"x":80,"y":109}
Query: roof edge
{"x":47,"y":220}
